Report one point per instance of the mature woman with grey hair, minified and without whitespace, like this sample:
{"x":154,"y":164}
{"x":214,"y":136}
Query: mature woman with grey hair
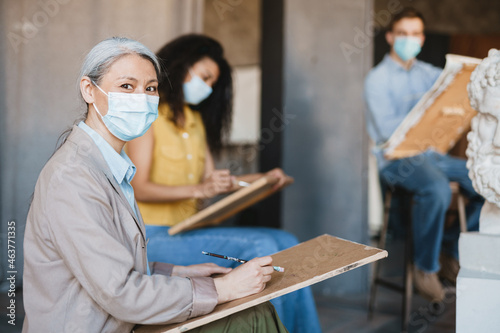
{"x":85,"y":266}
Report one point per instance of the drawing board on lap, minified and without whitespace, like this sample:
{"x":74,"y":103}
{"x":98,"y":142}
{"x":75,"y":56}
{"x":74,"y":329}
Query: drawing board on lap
{"x":305,"y":264}
{"x":230,"y":205}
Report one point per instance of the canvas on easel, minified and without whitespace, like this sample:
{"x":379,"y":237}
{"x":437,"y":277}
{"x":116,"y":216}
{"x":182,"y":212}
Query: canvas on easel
{"x":305,"y":264}
{"x":441,"y":116}
{"x":230,"y":205}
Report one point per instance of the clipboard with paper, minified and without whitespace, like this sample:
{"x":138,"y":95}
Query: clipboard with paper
{"x":441,"y":116}
{"x":305,"y":264}
{"x":230,"y":205}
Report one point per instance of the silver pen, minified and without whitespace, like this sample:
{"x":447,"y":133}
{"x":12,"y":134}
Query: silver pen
{"x":241,"y":183}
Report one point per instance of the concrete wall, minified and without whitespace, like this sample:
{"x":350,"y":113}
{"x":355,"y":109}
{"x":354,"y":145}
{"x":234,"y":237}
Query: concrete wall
{"x":41,"y":49}
{"x":325,"y":145}
{"x":452,"y":16}
{"x":236,"y":25}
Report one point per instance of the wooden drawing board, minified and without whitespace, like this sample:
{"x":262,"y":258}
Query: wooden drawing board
{"x":441,"y":117}
{"x":305,"y":264}
{"x":230,"y":205}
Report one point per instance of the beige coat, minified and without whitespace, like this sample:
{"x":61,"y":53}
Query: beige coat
{"x":85,"y":254}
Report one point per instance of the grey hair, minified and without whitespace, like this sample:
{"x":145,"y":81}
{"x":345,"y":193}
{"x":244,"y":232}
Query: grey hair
{"x":487,"y":73}
{"x":99,"y":60}
{"x":103,"y":55}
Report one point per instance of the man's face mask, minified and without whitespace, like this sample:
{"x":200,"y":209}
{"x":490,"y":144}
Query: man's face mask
{"x":407,"y":47}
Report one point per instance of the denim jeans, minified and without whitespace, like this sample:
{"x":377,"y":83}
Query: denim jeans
{"x":427,"y":176}
{"x":296,"y":310}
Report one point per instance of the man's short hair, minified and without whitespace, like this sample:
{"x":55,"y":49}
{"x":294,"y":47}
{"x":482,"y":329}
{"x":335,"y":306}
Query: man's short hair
{"x":407,"y":12}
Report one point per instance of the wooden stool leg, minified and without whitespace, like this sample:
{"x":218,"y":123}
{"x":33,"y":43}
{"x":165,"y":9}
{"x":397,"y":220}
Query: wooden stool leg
{"x":461,"y":212}
{"x":381,"y":245}
{"x":408,"y":287}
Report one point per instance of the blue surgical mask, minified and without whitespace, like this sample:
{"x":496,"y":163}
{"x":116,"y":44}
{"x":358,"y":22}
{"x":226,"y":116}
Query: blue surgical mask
{"x":407,"y":47}
{"x":196,"y":90}
{"x":129,"y":115}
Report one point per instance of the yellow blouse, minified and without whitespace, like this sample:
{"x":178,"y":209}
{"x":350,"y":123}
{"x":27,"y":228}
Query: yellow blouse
{"x":178,"y":159}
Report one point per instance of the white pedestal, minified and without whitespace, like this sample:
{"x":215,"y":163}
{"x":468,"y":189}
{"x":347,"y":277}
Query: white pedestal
{"x":479,"y":252}
{"x":478,"y":283}
{"x":478,"y":302}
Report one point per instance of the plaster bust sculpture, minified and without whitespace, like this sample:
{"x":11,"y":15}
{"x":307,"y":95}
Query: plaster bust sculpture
{"x":483,"y":151}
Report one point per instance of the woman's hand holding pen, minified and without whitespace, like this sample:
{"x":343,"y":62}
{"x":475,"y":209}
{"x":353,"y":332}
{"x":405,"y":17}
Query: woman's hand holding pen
{"x":247,"y":279}
{"x":219,"y":181}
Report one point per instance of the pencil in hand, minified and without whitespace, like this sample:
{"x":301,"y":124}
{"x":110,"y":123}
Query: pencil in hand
{"x":242,"y":261}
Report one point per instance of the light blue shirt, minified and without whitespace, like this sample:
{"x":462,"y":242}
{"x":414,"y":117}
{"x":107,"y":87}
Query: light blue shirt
{"x":121,"y":166}
{"x":391,"y":92}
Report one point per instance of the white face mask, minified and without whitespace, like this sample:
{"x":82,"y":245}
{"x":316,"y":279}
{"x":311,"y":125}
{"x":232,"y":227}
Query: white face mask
{"x":196,"y":90}
{"x":129,"y":115}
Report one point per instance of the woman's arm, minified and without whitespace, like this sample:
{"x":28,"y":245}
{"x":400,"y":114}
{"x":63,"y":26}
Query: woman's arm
{"x":275,"y":173}
{"x":247,"y":279}
{"x":242,"y":281}
{"x":105,"y":264}
{"x":140,"y":151}
{"x":207,"y":269}
{"x":249,"y":178}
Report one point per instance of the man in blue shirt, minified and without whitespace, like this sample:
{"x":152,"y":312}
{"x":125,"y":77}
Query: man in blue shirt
{"x":392,"y":89}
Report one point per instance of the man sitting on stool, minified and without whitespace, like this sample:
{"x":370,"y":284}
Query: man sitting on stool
{"x":392,"y":89}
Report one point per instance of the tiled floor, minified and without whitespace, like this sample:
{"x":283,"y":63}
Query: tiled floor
{"x":343,"y":314}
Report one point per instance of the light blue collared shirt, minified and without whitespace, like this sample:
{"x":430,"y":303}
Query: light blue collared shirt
{"x":391,"y":92}
{"x":120,"y":165}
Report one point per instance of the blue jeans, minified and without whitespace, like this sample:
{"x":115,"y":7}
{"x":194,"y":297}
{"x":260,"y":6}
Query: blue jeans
{"x":427,"y":176}
{"x":296,"y":310}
